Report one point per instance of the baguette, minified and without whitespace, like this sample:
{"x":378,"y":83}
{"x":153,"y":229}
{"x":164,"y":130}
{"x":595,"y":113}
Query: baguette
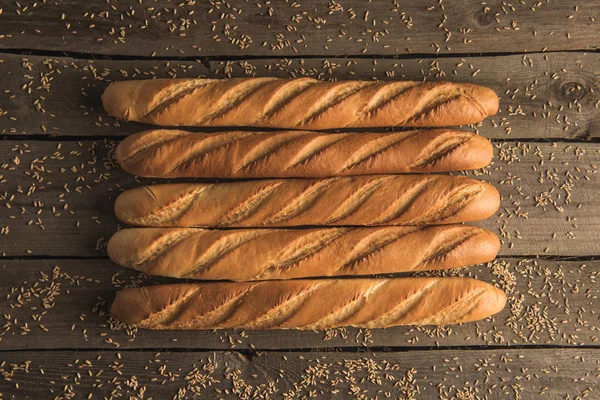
{"x":260,"y":254}
{"x":174,"y":153}
{"x":361,"y":200}
{"x":309,"y":304}
{"x":302,"y":103}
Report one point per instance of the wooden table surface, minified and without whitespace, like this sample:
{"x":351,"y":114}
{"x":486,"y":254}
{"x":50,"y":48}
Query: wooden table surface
{"x":59,"y":180}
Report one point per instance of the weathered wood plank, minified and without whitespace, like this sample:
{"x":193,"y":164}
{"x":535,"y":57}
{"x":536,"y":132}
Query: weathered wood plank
{"x":47,"y":304}
{"x":456,"y":374}
{"x":59,"y":198}
{"x":308,"y":27}
{"x":542,"y":96}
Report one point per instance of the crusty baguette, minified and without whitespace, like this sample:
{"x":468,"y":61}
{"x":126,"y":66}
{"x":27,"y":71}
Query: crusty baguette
{"x":302,"y":103}
{"x":360,"y":200}
{"x":258,"y":254}
{"x":243,"y":154}
{"x":309,"y":304}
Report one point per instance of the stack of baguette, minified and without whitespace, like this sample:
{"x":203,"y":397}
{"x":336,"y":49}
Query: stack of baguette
{"x":311,"y":216}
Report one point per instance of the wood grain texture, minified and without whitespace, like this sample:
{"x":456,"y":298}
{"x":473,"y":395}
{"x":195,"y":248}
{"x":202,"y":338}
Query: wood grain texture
{"x":493,"y":373}
{"x":308,"y":27}
{"x":541,"y":95}
{"x":65,"y":303}
{"x":59,"y":197}
{"x":550,"y":195}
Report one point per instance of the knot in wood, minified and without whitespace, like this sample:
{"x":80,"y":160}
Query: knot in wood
{"x":573,"y":91}
{"x":485,"y":17}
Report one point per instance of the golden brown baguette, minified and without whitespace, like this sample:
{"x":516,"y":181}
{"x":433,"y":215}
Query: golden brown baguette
{"x":309,"y":304}
{"x":302,"y":103}
{"x":175,"y":153}
{"x":360,"y":200}
{"x":258,"y":254}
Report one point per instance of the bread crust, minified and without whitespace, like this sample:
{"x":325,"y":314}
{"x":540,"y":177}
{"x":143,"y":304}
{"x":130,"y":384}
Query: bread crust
{"x":301,"y":103}
{"x":288,"y":154}
{"x":309,"y":304}
{"x":360,"y":200}
{"x":260,"y":254}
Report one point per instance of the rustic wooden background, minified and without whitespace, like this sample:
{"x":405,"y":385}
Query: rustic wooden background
{"x":58,"y":182}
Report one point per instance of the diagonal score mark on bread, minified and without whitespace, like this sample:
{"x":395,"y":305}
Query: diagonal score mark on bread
{"x":404,"y":202}
{"x":235,"y":95}
{"x":375,"y":241}
{"x":151,"y":193}
{"x":440,"y":147}
{"x":302,"y":202}
{"x":356,"y":199}
{"x":397,"y":208}
{"x":167,"y":314}
{"x":163,"y":244}
{"x":249,"y":206}
{"x":456,"y":310}
{"x":313,"y":148}
{"x":385,"y":95}
{"x":172,"y":315}
{"x":337,"y":93}
{"x":172,"y":94}
{"x":223,"y":310}
{"x":473,"y":101}
{"x":224,"y":245}
{"x":375,"y":147}
{"x":444,"y":244}
{"x":337,"y":316}
{"x":454,"y":202}
{"x":305,"y":246}
{"x":150,"y":140}
{"x":283,"y":95}
{"x":208,"y":143}
{"x":401,"y":309}
{"x":270,"y":145}
{"x":430,"y":101}
{"x":171,"y":212}
{"x":287,"y":307}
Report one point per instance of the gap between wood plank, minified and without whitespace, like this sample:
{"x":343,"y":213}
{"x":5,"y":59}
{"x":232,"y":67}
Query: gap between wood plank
{"x":73,"y":108}
{"x":537,"y":312}
{"x":427,"y":374}
{"x":540,"y":257}
{"x":339,"y":349}
{"x":572,"y":224}
{"x":51,"y":138}
{"x":204,"y":60}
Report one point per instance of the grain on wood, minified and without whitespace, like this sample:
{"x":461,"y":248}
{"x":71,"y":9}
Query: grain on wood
{"x":48,"y":304}
{"x":305,"y":27}
{"x":58,"y":197}
{"x":456,"y":374}
{"x":541,"y":95}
